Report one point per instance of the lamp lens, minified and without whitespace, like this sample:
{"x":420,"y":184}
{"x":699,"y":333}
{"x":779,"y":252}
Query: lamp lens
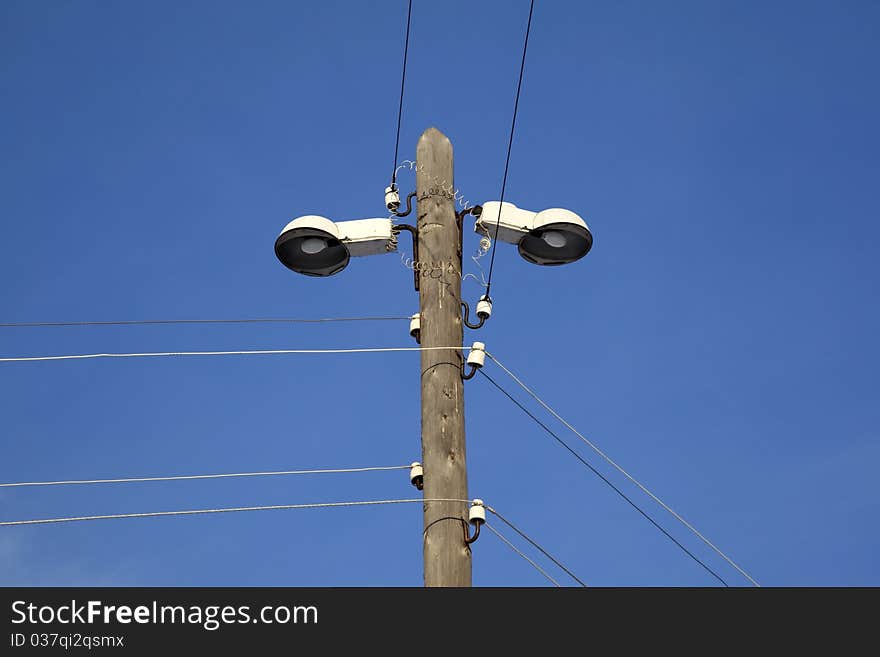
{"x":556,"y":244}
{"x":312,"y":245}
{"x":554,"y":238}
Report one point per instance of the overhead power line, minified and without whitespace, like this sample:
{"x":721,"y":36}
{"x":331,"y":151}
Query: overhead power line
{"x":259,"y":320}
{"x":620,"y":469}
{"x":253,"y":352}
{"x":522,"y":68}
{"x":192,"y":512}
{"x":586,"y":463}
{"x":402,"y":84}
{"x":534,"y":544}
{"x":127,"y":480}
{"x":520,"y":553}
{"x":279,"y":507}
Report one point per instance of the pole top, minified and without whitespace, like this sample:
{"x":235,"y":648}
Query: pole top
{"x":434,"y":135}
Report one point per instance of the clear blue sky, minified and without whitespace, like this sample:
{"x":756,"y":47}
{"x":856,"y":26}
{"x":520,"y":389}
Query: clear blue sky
{"x":720,"y":340}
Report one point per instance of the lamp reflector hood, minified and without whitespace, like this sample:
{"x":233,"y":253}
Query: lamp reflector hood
{"x":311,"y":245}
{"x":557,"y":237}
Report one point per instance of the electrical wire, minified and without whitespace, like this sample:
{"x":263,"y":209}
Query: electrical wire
{"x":229,"y":353}
{"x":510,"y":145}
{"x":626,"y":474}
{"x":402,"y":84}
{"x":204,"y":476}
{"x":190,"y":512}
{"x":278,"y":507}
{"x":603,"y":478}
{"x":137,"y":322}
{"x":517,"y":550}
{"x":534,"y":544}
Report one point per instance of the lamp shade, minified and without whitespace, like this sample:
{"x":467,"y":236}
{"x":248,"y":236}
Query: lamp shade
{"x":310,"y":245}
{"x":557,"y":237}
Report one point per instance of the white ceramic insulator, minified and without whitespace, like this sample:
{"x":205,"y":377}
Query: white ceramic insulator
{"x":415,"y":324}
{"x":416,"y":471}
{"x":477,"y":513}
{"x":477,"y":355}
{"x":484,"y":307}
{"x":392,"y":198}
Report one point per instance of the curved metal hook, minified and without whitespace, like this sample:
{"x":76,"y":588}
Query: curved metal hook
{"x":470,"y":539}
{"x":409,"y":199}
{"x":412,"y":230}
{"x":475,"y":210}
{"x":465,"y":317}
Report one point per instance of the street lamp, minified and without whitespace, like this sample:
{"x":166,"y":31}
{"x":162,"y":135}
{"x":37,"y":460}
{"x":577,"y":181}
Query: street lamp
{"x":316,"y":246}
{"x":551,"y":237}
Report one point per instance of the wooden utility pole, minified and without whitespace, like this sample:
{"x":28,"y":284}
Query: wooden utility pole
{"x":447,"y":557}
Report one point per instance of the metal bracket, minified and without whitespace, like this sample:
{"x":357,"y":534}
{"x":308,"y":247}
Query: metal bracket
{"x":468,"y":539}
{"x":412,"y":230}
{"x":409,"y":199}
{"x":465,"y":317}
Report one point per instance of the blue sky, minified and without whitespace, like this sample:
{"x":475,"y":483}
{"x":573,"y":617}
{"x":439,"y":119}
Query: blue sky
{"x":719,"y":340}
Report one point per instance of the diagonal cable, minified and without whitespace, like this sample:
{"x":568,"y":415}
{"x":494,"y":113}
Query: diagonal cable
{"x":402,"y":84}
{"x":626,"y":474}
{"x":603,"y":478}
{"x":534,"y":544}
{"x":522,"y":68}
{"x":520,"y":553}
